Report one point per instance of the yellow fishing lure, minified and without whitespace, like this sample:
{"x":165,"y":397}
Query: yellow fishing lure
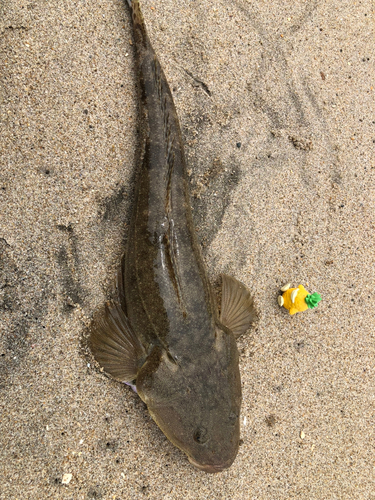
{"x":297,"y":299}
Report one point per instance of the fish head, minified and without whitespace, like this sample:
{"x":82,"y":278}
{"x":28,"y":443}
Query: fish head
{"x":196,"y":402}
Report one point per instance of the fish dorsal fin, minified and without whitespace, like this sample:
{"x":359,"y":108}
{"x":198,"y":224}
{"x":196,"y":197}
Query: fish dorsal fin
{"x":114,"y":344}
{"x":237,"y":306}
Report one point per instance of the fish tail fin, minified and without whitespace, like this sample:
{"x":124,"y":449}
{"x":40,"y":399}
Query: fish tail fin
{"x":238,"y":311}
{"x":114,"y":344}
{"x":136,"y":11}
{"x":140,"y":33}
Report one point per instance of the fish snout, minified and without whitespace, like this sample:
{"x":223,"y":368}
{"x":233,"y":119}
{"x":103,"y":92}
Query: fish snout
{"x":210,"y":468}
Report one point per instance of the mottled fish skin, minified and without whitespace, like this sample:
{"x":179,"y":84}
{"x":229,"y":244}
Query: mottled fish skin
{"x":187,"y":360}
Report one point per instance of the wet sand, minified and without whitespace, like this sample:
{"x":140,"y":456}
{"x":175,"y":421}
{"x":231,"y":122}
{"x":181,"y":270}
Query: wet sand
{"x":276,"y":103}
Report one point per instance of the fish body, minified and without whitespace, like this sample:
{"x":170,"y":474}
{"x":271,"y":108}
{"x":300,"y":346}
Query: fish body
{"x":163,"y":332}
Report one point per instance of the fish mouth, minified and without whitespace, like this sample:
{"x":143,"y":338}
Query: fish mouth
{"x":210,"y":468}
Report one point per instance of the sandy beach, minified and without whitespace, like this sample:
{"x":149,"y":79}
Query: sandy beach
{"x":276,"y":106}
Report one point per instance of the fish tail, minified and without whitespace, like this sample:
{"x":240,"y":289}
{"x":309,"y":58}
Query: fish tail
{"x":136,"y":11}
{"x":139,"y":24}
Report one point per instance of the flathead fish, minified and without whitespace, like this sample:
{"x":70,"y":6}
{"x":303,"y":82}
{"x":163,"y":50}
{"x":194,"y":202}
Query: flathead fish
{"x":162,"y":333}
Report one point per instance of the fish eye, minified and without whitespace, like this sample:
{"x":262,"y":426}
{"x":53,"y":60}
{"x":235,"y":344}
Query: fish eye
{"x":200,"y":435}
{"x":233,"y":415}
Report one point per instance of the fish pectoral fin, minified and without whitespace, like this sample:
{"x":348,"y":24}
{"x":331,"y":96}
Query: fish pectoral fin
{"x":237,"y":306}
{"x":114,"y":344}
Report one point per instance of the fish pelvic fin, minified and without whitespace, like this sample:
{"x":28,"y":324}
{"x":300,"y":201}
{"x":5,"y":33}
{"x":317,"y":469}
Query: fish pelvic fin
{"x":114,"y":344}
{"x":238,"y":311}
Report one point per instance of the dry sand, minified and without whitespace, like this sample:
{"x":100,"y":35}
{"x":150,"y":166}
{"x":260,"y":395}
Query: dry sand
{"x":276,"y":102}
